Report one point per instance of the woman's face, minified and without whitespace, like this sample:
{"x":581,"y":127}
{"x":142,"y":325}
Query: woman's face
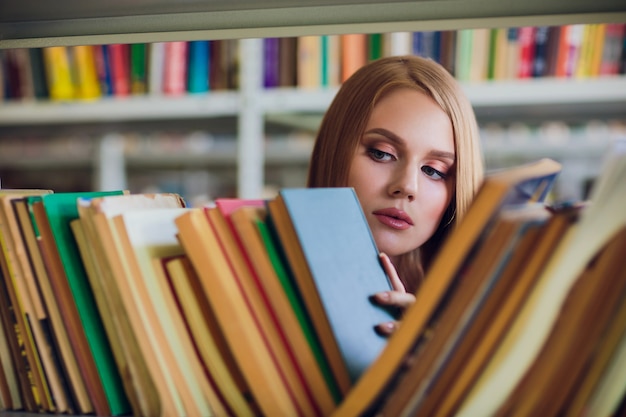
{"x":403,"y":170}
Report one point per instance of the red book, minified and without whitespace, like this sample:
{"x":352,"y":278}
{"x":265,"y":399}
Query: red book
{"x":119,"y":57}
{"x":613,"y":41}
{"x":527,"y":51}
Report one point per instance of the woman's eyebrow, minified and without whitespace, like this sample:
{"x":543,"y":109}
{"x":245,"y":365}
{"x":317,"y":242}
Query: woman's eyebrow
{"x":400,"y":142}
{"x":443,"y":155}
{"x":388,"y":134}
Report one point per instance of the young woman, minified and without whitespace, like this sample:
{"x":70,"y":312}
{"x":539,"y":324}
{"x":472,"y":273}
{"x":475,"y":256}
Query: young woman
{"x":402,"y":133}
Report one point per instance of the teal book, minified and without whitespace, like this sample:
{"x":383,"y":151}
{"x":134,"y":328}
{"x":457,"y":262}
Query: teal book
{"x":333,"y":261}
{"x":198,"y":68}
{"x":61,"y":209}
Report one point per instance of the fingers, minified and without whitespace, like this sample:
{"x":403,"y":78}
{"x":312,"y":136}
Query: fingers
{"x":387,"y":329}
{"x":394,"y":298}
{"x":397,"y":298}
{"x":396,"y":283}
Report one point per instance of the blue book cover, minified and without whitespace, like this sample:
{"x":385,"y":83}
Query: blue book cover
{"x":334,"y":263}
{"x":198,"y":77}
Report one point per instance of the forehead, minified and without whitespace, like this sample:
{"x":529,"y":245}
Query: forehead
{"x":412,"y":115}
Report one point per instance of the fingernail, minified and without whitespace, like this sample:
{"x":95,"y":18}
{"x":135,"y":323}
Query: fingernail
{"x":386,"y":329}
{"x":383,"y":296}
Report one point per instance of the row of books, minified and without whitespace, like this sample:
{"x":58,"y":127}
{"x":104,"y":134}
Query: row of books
{"x":117,"y":303}
{"x":175,"y":68}
{"x":90,"y":72}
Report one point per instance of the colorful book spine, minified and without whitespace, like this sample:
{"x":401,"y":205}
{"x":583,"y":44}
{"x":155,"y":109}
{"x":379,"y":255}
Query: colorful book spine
{"x":86,"y":75}
{"x":103,"y":68}
{"x":613,"y":39}
{"x":120,"y":69}
{"x":175,"y":71}
{"x":271,"y":62}
{"x":59,"y":75}
{"x":309,"y":62}
{"x":353,"y":53}
{"x":40,"y":85}
{"x":464,"y":54}
{"x":526,"y":51}
{"x":540,"y":58}
{"x":198,"y":71}
{"x":138,"y":69}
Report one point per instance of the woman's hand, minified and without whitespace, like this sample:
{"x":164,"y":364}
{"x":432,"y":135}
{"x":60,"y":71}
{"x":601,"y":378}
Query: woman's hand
{"x":397,"y":298}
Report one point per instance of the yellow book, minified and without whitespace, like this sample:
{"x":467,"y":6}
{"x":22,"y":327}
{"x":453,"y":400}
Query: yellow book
{"x":84,"y":64}
{"x":59,"y":73}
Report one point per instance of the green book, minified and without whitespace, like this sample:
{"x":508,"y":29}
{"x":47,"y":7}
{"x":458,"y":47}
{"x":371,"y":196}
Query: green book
{"x":61,"y":209}
{"x":138,"y":74}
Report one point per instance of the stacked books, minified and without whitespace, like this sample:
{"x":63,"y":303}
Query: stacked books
{"x":116,"y":303}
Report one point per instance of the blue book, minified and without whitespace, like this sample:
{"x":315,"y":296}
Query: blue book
{"x":333,"y":261}
{"x":198,"y":76}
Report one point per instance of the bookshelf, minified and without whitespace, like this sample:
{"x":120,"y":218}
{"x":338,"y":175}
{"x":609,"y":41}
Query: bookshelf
{"x":248,"y":113}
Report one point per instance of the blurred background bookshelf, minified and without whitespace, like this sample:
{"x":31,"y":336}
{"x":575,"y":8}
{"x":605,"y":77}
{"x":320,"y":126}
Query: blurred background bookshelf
{"x":205,"y":118}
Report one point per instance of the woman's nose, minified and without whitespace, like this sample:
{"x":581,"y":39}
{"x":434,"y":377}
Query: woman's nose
{"x":405,"y":182}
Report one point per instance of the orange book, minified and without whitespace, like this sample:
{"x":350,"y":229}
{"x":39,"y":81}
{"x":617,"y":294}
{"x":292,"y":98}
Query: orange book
{"x":562,"y":52}
{"x":221,"y":287}
{"x":247,"y":222}
{"x":207,"y":336}
{"x":267,"y":323}
{"x":353,"y":53}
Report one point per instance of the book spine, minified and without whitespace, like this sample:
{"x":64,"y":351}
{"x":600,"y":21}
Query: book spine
{"x":540,"y":59}
{"x":120,"y":69}
{"x":138,"y":70}
{"x":156,"y":63}
{"x":103,"y":68}
{"x":87,"y":84}
{"x":309,"y":62}
{"x":574,"y":44}
{"x":198,"y":67}
{"x":527,"y":51}
{"x":287,"y":62}
{"x":174,"y":76}
{"x":271,"y":62}
{"x":614,"y":35}
{"x":353,"y":53}
{"x":464,"y":54}
{"x":58,"y":73}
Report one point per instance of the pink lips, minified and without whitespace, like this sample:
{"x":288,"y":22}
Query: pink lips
{"x":394,"y":218}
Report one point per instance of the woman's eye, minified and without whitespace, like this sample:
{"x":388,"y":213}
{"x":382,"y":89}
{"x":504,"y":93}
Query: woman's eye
{"x":378,"y":155}
{"x":433,"y":173}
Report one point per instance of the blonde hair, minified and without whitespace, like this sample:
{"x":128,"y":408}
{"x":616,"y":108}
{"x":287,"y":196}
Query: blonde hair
{"x":345,"y":120}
